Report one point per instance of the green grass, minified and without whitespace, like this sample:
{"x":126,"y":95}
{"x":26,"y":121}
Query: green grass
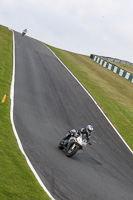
{"x":113,"y":93}
{"x":16,"y":179}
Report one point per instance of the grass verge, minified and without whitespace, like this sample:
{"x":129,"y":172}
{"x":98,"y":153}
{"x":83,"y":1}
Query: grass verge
{"x":16,"y":179}
{"x":113,"y":93}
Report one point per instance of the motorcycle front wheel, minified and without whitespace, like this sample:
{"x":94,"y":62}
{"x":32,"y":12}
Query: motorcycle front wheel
{"x":71,"y":151}
{"x":61,"y":146}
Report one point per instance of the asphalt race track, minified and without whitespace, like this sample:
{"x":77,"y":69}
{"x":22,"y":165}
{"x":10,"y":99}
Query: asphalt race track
{"x":48,"y":102}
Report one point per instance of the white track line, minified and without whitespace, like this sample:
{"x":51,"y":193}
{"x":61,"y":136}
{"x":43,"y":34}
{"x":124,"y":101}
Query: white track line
{"x":13,"y":125}
{"x":93,"y":101}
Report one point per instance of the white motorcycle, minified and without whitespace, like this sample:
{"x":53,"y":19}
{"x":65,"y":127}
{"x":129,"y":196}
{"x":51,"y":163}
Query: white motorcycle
{"x":24,"y":32}
{"x":73,"y":144}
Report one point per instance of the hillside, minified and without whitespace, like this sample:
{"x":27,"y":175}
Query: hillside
{"x":113,"y":93}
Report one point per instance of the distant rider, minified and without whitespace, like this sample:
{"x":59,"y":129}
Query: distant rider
{"x":85,"y":131}
{"x":24,"y":32}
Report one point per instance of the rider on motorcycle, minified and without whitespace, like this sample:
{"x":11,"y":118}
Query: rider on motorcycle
{"x":85,"y":131}
{"x":24,"y":32}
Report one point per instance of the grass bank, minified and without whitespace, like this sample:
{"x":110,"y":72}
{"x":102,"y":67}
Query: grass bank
{"x":16,"y":179}
{"x":113,"y":93}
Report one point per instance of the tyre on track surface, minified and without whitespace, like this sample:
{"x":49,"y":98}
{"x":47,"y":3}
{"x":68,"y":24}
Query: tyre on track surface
{"x":61,"y":145}
{"x":70,"y":151}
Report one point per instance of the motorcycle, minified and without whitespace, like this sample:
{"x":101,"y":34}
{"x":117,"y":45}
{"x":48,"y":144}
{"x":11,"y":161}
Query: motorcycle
{"x":73,"y":144}
{"x":24,"y":32}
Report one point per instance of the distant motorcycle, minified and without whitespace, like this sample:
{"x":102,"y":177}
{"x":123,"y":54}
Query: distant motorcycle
{"x":73,"y":144}
{"x":24,"y":32}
